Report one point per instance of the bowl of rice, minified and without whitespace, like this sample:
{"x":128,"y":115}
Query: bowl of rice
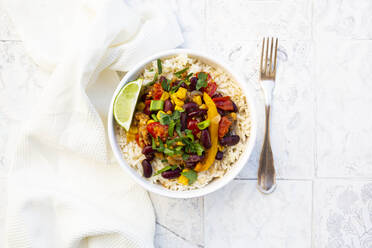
{"x":194,"y":159}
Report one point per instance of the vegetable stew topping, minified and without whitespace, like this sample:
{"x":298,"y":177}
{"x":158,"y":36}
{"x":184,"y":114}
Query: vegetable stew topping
{"x":184,"y":120}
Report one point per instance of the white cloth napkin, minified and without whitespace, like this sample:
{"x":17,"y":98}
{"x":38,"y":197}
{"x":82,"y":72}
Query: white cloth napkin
{"x":64,"y":190}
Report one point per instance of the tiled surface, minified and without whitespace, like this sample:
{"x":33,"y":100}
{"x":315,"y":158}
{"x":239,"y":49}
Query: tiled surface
{"x":321,"y":126}
{"x":343,"y":96}
{"x":343,"y":213}
{"x":239,"y":215}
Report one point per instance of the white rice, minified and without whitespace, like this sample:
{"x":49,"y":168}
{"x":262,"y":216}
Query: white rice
{"x":132,"y":152}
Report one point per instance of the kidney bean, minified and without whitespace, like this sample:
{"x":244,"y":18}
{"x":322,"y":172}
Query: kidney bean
{"x":150,"y":156}
{"x":230,"y":140}
{"x":235,"y":107}
{"x":162,"y":78}
{"x":205,"y":139}
{"x":183,"y":85}
{"x":147,"y":150}
{"x":193,"y":82}
{"x":194,"y":158}
{"x":217,"y":95}
{"x":199,"y":112}
{"x":183,"y":120}
{"x":170,"y":174}
{"x":168,"y":105}
{"x":190,"y":107}
{"x":147,"y":169}
{"x":221,"y":112}
{"x":190,"y":165}
{"x":219,"y":155}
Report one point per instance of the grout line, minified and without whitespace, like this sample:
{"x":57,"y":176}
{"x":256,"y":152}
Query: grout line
{"x":344,"y":178}
{"x":10,"y":40}
{"x":177,"y":235}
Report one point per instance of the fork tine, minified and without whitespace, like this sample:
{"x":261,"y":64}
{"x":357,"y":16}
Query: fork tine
{"x":262,"y":54}
{"x":271,"y":55}
{"x":276,"y":49}
{"x":266,"y":54}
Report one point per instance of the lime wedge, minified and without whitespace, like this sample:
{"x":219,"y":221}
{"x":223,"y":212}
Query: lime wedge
{"x":125,"y":103}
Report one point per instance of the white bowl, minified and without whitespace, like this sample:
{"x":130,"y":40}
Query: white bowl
{"x":215,"y":184}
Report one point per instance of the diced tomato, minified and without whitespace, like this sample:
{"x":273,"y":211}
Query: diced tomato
{"x":158,"y":130}
{"x":210,"y":89}
{"x":223,"y":127}
{"x":147,"y":107}
{"x":193,"y":126}
{"x":224,"y":103}
{"x":157,"y":91}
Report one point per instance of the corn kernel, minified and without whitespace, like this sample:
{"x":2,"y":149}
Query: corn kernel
{"x":197,"y":100}
{"x":131,"y":137}
{"x":179,"y":143}
{"x":233,"y":115}
{"x":164,"y":96}
{"x":165,"y":145}
{"x":150,"y":121}
{"x":203,"y":106}
{"x":169,"y":112}
{"x":158,"y":114}
{"x":178,"y":102}
{"x":182,"y":179}
{"x":221,"y":148}
{"x":181,"y":93}
{"x":140,"y":106}
{"x":178,"y":108}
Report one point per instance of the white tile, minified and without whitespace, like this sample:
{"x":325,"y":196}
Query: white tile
{"x":342,"y":214}
{"x":292,"y":119}
{"x":7,"y":29}
{"x":164,"y":238}
{"x":342,"y":19}
{"x":181,"y":217}
{"x":344,"y":124}
{"x":232,"y":22}
{"x":240,"y":216}
{"x":3,"y":203}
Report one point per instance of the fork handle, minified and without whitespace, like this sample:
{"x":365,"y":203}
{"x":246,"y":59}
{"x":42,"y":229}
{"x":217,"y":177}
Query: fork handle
{"x":266,"y":182}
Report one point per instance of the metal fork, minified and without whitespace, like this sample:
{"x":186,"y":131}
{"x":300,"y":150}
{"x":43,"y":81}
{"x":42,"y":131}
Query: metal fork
{"x":266,"y":182}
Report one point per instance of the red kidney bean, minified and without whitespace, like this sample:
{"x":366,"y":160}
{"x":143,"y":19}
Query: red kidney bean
{"x":199,"y":112}
{"x":168,"y":105}
{"x":190,"y":107}
{"x":235,"y":107}
{"x":217,"y":95}
{"x":170,"y":174}
{"x":221,"y":112}
{"x":190,"y":165}
{"x":230,"y":140}
{"x":194,"y":158}
{"x":147,"y":169}
{"x":184,"y":85}
{"x":205,"y":139}
{"x":147,"y":150}
{"x":183,"y":119}
{"x":193,"y":82}
{"x":219,"y":155}
{"x":150,"y":156}
{"x":162,"y":78}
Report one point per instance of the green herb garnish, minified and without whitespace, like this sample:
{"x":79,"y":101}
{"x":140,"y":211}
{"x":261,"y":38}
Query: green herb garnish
{"x":171,"y":126}
{"x":202,"y":80}
{"x":165,"y":119}
{"x":189,"y":134}
{"x":160,"y":68}
{"x":176,"y":87}
{"x":153,"y":143}
{"x":165,"y":84}
{"x":204,"y":124}
{"x":179,"y":73}
{"x":190,"y":175}
{"x":153,"y":116}
{"x":168,"y":152}
{"x":154,"y":80}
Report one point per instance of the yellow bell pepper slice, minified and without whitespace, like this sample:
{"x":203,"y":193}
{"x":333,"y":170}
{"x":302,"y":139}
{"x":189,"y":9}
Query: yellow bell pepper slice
{"x":214,"y":117}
